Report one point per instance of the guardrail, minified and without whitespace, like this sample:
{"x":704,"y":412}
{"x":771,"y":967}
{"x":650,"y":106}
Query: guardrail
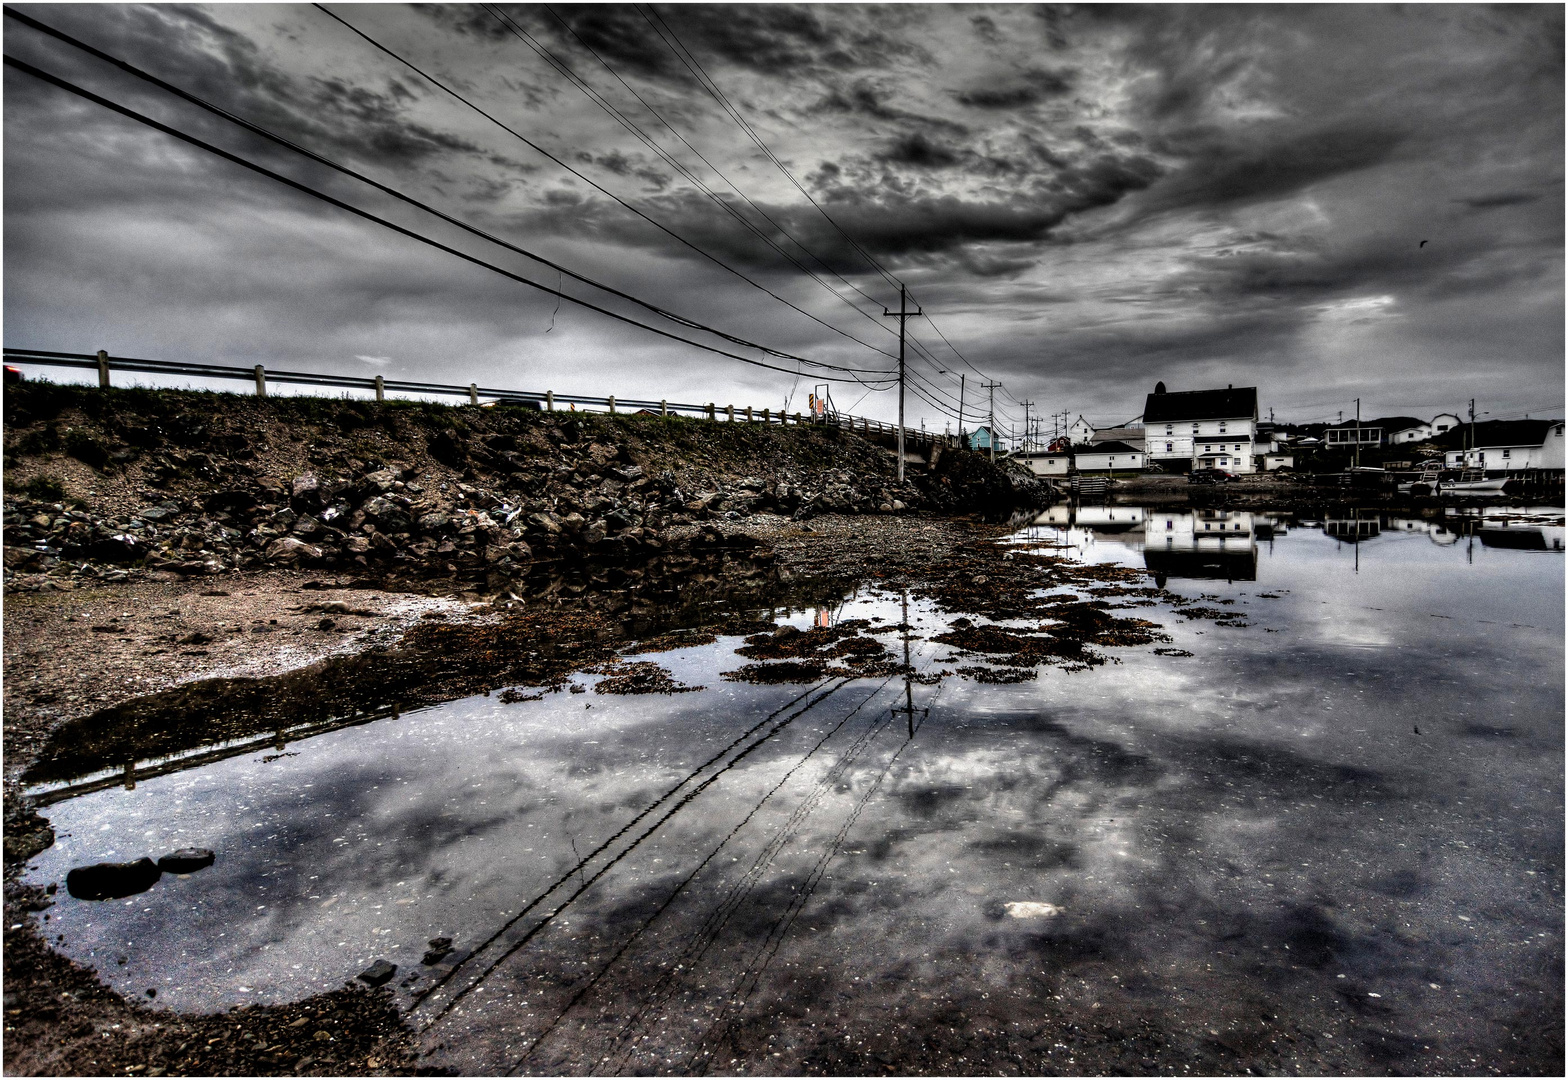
{"x":548,"y":401}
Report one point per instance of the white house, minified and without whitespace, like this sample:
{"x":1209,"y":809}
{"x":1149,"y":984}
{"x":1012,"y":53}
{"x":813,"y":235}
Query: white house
{"x":1108,"y":457}
{"x":1045,"y":462}
{"x":1517,"y":445}
{"x":1080,"y":431}
{"x":1202,"y":429}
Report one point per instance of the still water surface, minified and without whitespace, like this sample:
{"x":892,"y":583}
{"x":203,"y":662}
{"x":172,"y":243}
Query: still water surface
{"x":1344,"y":818}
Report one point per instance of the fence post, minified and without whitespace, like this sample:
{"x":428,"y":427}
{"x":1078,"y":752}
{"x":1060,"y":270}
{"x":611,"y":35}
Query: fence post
{"x":103,"y":370}
{"x":664,"y":407}
{"x":797,"y":418}
{"x":767,"y":416}
{"x":712,"y":415}
{"x":748,"y":414}
{"x":611,"y":400}
{"x":381,"y":389}
{"x":473,"y":393}
{"x":549,"y":401}
{"x":729,"y":412}
{"x":261,"y":381}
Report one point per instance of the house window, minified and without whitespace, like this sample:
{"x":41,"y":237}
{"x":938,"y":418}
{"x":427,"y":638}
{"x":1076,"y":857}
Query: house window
{"x":1194,"y":429}
{"x":1222,"y":427}
{"x":1170,"y":429}
{"x":1169,"y":525}
{"x":1506,"y":453}
{"x":1168,"y":446}
{"x":1236,"y":447}
{"x":1207,"y":526}
{"x":1207,"y":447}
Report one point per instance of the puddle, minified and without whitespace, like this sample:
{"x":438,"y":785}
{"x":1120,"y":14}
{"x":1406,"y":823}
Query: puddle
{"x":1233,"y":757}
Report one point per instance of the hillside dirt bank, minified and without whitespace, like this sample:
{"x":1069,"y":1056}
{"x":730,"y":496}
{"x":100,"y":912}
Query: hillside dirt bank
{"x":107,"y":485}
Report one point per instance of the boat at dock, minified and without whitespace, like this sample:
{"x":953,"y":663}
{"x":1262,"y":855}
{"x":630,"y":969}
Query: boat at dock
{"x":1472,"y":482}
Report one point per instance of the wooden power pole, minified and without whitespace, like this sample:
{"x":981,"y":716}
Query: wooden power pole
{"x":903,"y":315}
{"x":991,"y":417}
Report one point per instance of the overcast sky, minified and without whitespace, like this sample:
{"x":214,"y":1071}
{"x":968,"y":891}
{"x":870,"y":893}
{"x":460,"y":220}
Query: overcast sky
{"x":1085,"y":199}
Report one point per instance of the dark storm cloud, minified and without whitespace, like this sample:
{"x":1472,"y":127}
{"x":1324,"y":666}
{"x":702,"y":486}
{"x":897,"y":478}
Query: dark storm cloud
{"x":1085,"y":194}
{"x":919,"y":150}
{"x":1222,"y":172}
{"x":189,"y":48}
{"x":1030,"y":89}
{"x":1502,"y":198}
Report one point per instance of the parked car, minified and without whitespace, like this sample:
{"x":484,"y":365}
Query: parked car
{"x":14,"y":374}
{"x":1210,"y":476}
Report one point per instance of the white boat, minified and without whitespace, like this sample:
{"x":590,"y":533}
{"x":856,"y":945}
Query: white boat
{"x":1472,"y":482}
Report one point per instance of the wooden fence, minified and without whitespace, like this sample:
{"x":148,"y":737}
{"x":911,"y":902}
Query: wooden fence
{"x":547,"y":401}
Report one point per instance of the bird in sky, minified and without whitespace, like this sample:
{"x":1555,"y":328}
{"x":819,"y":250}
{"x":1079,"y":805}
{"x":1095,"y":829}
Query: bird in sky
{"x":1422,"y":244}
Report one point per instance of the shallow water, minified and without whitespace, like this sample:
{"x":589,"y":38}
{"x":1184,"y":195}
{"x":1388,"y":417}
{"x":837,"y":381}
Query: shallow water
{"x":1225,"y":846}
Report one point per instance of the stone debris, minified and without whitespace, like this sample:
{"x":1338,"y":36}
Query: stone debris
{"x":193,"y":484}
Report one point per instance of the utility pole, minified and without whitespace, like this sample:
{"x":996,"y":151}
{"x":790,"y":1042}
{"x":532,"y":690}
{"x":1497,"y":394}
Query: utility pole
{"x":1464,"y":458}
{"x":903,"y":315}
{"x":1358,"y":433}
{"x":991,"y":418}
{"x":961,"y":378}
{"x":1026,"y":405}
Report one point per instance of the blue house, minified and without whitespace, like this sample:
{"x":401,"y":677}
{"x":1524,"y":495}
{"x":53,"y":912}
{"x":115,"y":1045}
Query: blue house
{"x":980,"y":438}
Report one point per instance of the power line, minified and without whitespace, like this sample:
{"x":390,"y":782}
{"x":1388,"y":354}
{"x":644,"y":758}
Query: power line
{"x":707,"y":82}
{"x":588,"y":180}
{"x":312,"y":155}
{"x":368,"y":216}
{"x":631,"y":126}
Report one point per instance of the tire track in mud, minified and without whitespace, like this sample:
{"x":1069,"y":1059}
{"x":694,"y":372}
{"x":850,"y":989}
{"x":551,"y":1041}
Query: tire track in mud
{"x":679,"y":889}
{"x":576,"y":871}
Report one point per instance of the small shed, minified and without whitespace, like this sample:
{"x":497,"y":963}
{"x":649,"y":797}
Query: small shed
{"x":1108,"y":457}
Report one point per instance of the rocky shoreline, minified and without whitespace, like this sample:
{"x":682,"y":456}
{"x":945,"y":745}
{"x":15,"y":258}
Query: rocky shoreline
{"x":108,"y":485}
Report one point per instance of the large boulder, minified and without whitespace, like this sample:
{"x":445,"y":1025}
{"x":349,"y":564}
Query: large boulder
{"x":287,"y":549}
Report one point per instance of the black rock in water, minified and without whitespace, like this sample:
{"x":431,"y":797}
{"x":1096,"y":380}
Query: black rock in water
{"x":378,"y":973}
{"x":186,"y":860}
{"x":111,"y":880}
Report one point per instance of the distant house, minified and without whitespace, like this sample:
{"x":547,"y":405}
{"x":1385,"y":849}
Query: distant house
{"x":1108,"y":457}
{"x":1375,"y":432}
{"x":980,"y":438}
{"x":1130,"y":433}
{"x":1080,"y":431}
{"x":1201,"y":429}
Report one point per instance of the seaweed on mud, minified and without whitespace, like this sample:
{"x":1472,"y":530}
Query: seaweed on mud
{"x":1087,"y":621}
{"x":819,"y":643}
{"x":1001,"y":676}
{"x":1171,"y":652}
{"x":640,"y":677}
{"x":1017,"y":648}
{"x":670,"y":642}
{"x":784,"y":671}
{"x":1202,"y":613}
